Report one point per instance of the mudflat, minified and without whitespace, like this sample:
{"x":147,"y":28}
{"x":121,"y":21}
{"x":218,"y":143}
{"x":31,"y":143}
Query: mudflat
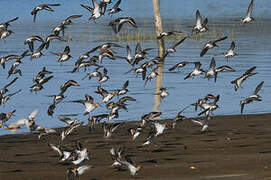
{"x":234,"y":147}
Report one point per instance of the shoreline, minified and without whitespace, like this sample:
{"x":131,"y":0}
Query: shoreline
{"x":234,"y":147}
{"x":121,"y":122}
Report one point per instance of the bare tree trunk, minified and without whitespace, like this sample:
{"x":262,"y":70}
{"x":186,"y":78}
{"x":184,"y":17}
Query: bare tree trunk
{"x":159,"y":27}
{"x":161,"y":52}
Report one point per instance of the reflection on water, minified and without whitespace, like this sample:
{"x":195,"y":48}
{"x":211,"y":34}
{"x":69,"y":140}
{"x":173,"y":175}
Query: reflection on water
{"x":252,"y":41}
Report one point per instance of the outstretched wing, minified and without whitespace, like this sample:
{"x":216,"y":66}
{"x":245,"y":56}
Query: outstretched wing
{"x":258,"y":88}
{"x":198,"y":19}
{"x":117,"y":4}
{"x":179,"y":42}
{"x":250,"y":8}
{"x":33,"y":114}
{"x":232,"y":45}
{"x":204,"y":51}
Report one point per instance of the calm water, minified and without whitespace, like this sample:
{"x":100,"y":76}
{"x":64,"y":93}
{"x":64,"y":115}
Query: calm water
{"x":252,"y":40}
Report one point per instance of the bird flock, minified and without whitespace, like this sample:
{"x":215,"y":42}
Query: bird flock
{"x":140,"y":64}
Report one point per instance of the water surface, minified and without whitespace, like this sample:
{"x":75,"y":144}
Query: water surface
{"x":252,"y":42}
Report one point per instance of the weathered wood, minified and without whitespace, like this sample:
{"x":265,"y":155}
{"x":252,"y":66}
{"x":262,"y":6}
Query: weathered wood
{"x":161,"y":52}
{"x":159,"y":26}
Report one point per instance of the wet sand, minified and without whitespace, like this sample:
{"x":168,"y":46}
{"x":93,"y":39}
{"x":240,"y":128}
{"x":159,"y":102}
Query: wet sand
{"x":235,"y":147}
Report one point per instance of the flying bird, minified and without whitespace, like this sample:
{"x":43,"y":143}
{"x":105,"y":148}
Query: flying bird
{"x":76,"y":172}
{"x":197,"y":71}
{"x":42,"y":7}
{"x":253,"y":97}
{"x":168,"y":33}
{"x":238,"y":81}
{"x":4,"y":25}
{"x":118,"y":23}
{"x":95,"y":12}
{"x":200,"y":26}
{"x":88,"y":103}
{"x":65,"y":56}
{"x":230,"y":53}
{"x":115,"y":9}
{"x":211,"y":45}
{"x":30,"y":41}
{"x":248,"y":17}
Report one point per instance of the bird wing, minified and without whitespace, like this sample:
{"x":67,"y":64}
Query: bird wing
{"x":222,"y":68}
{"x":250,"y":70}
{"x":212,"y":64}
{"x":221,"y":39}
{"x":41,"y":47}
{"x":31,"y":46}
{"x":105,"y":71}
{"x":197,"y":122}
{"x":205,"y":22}
{"x":112,"y":44}
{"x":250,"y":8}
{"x":79,"y":146}
{"x":56,"y":53}
{"x":112,"y":152}
{"x":258,"y":88}
{"x":67,"y":50}
{"x":33,"y":114}
{"x":71,"y":128}
{"x":173,"y":67}
{"x":178,"y":43}
{"x":102,"y":7}
{"x":204,"y":111}
{"x":216,"y":99}
{"x":114,"y":128}
{"x":90,"y":9}
{"x":138,"y":48}
{"x":117,"y":4}
{"x":188,"y":76}
{"x":89,"y":98}
{"x":144,"y":74}
{"x":52,"y":4}
{"x":35,"y":15}
{"x":126,"y":98}
{"x":46,"y":7}
{"x":197,"y":65}
{"x":79,"y":101}
{"x":56,"y":149}
{"x":22,"y":122}
{"x":204,"y":51}
{"x":95,"y":4}
{"x":11,"y":94}
{"x":198,"y":18}
{"x":132,"y":22}
{"x":82,"y":169}
{"x":232,"y":45}
{"x":14,"y":19}
{"x":180,"y":112}
{"x":242,"y":107}
{"x":125,"y":85}
{"x":73,"y":17}
{"x":120,"y":25}
{"x":46,"y":80}
{"x":114,"y":26}
{"x":64,"y":119}
{"x":11,"y":82}
{"x":129,"y":54}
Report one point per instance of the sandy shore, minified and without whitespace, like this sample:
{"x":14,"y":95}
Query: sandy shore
{"x":235,"y":147}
